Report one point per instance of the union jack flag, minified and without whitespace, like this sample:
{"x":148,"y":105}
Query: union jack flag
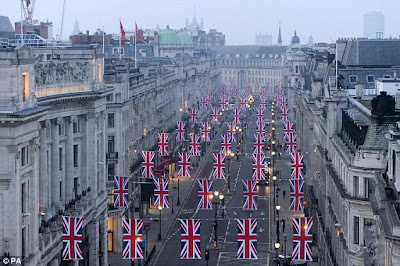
{"x":258,"y":166}
{"x":263,"y":103}
{"x":243,"y":103}
{"x":120,"y":192}
{"x":163,"y":143}
{"x":203,"y":103}
{"x":231,"y":131}
{"x":204,"y":191}
{"x":247,"y":239}
{"x":193,"y":115}
{"x":214,"y":115}
{"x":278,"y":98}
{"x":290,"y":143}
{"x":190,"y":238}
{"x":223,"y":103}
{"x":194,"y":145}
{"x":236,"y":116}
{"x":249,"y":195}
{"x":258,"y":143}
{"x":302,"y":239}
{"x":180,"y":131}
{"x":148,"y":164}
{"x":283,"y":102}
{"x":225,"y":144}
{"x":288,"y":127}
{"x":209,"y":99}
{"x":260,"y":115}
{"x":205,"y":131}
{"x":219,"y":166}
{"x":296,"y":194}
{"x":296,"y":165}
{"x":184,"y":164}
{"x":161,"y":193}
{"x":72,"y":238}
{"x":285,"y":114}
{"x":260,"y":128}
{"x":131,"y":237}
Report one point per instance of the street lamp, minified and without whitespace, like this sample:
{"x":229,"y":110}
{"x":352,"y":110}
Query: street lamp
{"x":230,"y":156}
{"x":159,"y":233}
{"x":277,"y":246}
{"x":277,"y":207}
{"x":274,"y":179}
{"x":216,"y":198}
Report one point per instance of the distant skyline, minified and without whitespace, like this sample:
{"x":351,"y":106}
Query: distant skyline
{"x":238,"y":20}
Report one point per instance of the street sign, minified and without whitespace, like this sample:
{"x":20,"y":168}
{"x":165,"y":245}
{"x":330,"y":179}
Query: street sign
{"x":146,"y":226}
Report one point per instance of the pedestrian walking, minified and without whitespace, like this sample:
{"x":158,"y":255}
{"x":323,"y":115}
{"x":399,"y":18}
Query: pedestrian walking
{"x":284,"y":194}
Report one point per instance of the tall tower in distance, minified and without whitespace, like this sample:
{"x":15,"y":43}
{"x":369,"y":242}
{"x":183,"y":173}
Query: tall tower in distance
{"x":374,"y":25}
{"x":279,"y":35}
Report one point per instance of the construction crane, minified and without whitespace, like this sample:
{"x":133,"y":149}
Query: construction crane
{"x":28,"y":8}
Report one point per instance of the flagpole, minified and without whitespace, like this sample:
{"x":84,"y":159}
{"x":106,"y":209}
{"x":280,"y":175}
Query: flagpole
{"x":102,"y":72}
{"x":336,"y":74}
{"x":136,"y":34}
{"x":22,"y":27}
{"x":120,"y":39}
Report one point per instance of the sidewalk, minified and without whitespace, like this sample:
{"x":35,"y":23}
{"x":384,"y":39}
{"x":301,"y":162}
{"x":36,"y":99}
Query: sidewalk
{"x":168,"y":216}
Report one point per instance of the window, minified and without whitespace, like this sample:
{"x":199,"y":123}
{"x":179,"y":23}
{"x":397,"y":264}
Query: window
{"x":386,"y":76}
{"x":48,"y":57}
{"x":367,"y":188}
{"x":48,"y":132}
{"x":356,"y":230}
{"x":76,"y":156}
{"x":23,"y":197}
{"x":111,"y":172}
{"x":60,"y":158}
{"x":356,"y":186}
{"x":25,"y":87}
{"x":370,"y":79}
{"x":23,"y":242}
{"x":110,"y":120}
{"x":61,"y":129}
{"x":394,"y":164}
{"x":297,"y":69}
{"x":60,"y":190}
{"x":24,"y":156}
{"x":111,"y":140}
{"x":76,"y":126}
{"x":99,"y":72}
{"x":110,"y":97}
{"x":353,"y":79}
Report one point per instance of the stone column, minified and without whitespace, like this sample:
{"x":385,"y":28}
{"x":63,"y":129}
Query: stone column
{"x":55,"y":166}
{"x":93,"y":234}
{"x":69,"y":160}
{"x":43,"y":171}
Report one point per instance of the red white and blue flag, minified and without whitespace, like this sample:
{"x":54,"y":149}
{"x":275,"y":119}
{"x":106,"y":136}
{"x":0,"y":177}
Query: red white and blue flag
{"x":260,"y":115}
{"x":258,"y":166}
{"x":283,"y":102}
{"x":193,"y":115}
{"x":236,"y":116}
{"x":258,"y":143}
{"x":163,"y":143}
{"x":290,"y":143}
{"x":296,"y":194}
{"x":296,"y":165}
{"x":249,"y":195}
{"x":247,"y":239}
{"x":180,"y":131}
{"x":72,"y":238}
{"x":224,"y":103}
{"x":302,"y":239}
{"x":209,"y":99}
{"x":203,"y":103}
{"x":260,"y":128}
{"x":184,"y":164}
{"x":203,"y":192}
{"x":161,"y":193}
{"x":285,"y":114}
{"x":243,"y":102}
{"x":205,"y":131}
{"x":288,"y":127}
{"x":190,"y":239}
{"x":219,"y":166}
{"x":148,"y":164}
{"x":194,"y":145}
{"x":120,"y":191}
{"x":231,"y":131}
{"x":263,"y":103}
{"x":226,"y":144}
{"x":132,"y":238}
{"x":215,"y":115}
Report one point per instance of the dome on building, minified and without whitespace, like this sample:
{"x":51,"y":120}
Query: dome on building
{"x":295,"y":39}
{"x":300,"y":53}
{"x":185,"y":38}
{"x":168,"y":36}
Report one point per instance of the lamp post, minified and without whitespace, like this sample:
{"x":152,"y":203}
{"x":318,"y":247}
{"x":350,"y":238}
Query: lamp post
{"x":229,"y":158}
{"x":277,"y":246}
{"x":178,"y":202}
{"x":278,"y":207}
{"x":159,"y":233}
{"x":216,"y":199}
{"x":284,"y":260}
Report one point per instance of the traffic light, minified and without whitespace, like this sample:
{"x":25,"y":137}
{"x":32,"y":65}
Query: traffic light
{"x":207,"y":254}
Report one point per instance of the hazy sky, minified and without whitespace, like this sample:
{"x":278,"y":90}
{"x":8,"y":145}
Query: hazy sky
{"x":240,"y":20}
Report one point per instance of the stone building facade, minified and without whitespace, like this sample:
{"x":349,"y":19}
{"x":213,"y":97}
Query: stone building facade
{"x":346,"y":158}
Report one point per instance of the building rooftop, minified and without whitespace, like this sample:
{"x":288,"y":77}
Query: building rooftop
{"x":250,"y":49}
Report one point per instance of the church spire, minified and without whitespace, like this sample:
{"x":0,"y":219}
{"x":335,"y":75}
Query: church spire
{"x":279,"y":35}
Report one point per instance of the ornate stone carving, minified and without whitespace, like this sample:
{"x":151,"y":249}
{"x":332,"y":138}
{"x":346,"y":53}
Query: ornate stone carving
{"x":66,"y":72}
